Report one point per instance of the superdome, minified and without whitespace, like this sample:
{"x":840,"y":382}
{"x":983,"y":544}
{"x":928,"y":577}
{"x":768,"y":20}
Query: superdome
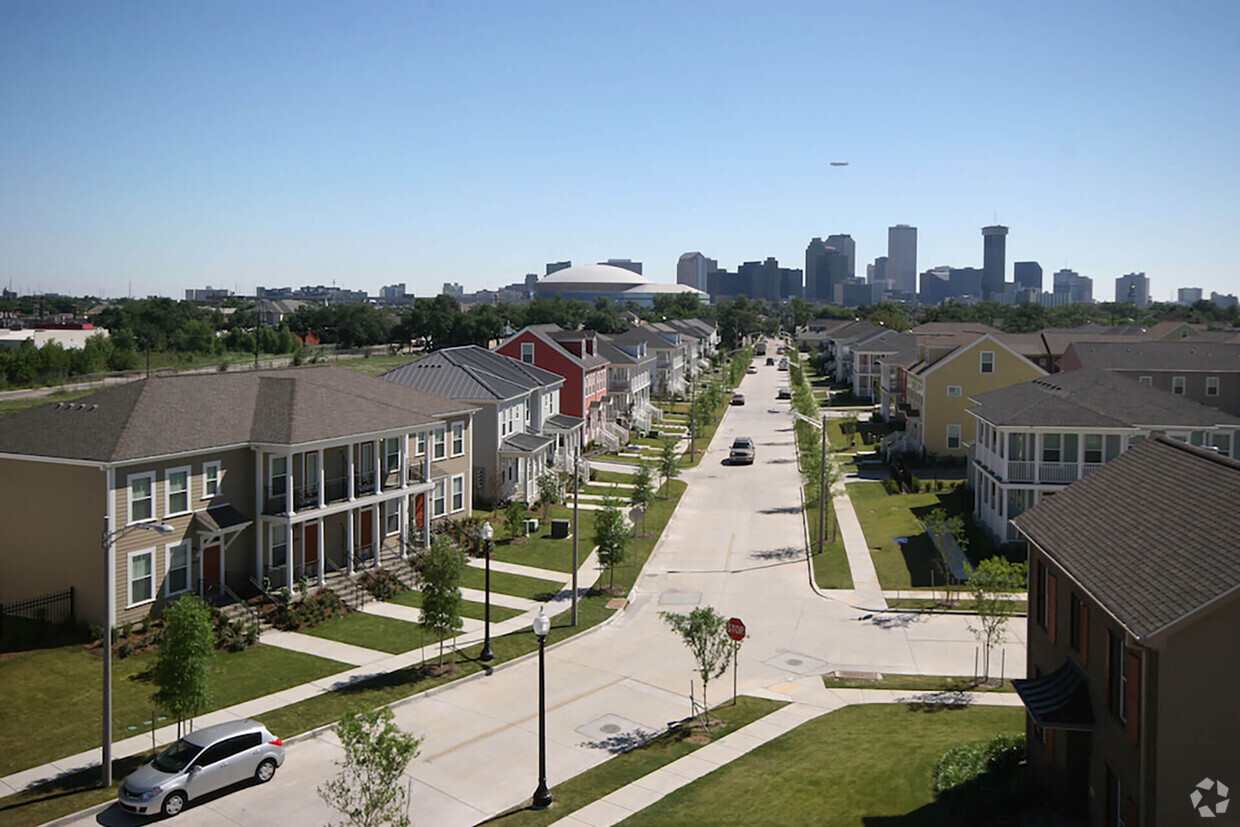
{"x":594,"y":274}
{"x":589,"y":281}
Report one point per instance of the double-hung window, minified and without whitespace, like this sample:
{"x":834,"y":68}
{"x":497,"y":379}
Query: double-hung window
{"x":279,"y":546}
{"x":440,"y":445}
{"x":458,"y":438}
{"x":458,"y":493}
{"x":1211,"y":386}
{"x":527,"y":352}
{"x":391,"y":455}
{"x":177,"y":578}
{"x":419,"y":444}
{"x":1177,"y":385}
{"x":210,"y":479}
{"x":141,"y":577}
{"x":954,"y":390}
{"x":439,"y":503}
{"x":391,"y":518}
{"x":176,"y":491}
{"x":1050,"y":448}
{"x":1093,"y":448}
{"x":953,"y":437}
{"x":141,"y":497}
{"x":988,"y":361}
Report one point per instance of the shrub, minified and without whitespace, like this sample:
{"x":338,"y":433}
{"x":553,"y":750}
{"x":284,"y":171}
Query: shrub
{"x":127,"y":628}
{"x":891,"y":486}
{"x":382,"y":585}
{"x":124,"y":650}
{"x":96,"y":631}
{"x":964,"y":765}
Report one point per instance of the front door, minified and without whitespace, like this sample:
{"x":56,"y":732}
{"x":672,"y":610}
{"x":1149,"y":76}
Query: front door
{"x":419,"y":510}
{"x":211,"y":567}
{"x":366,"y":532}
{"x":310,"y":542}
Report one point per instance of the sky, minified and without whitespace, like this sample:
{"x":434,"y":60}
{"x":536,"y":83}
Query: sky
{"x":150,"y":147}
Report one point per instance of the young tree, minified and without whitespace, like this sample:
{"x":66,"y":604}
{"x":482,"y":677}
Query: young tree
{"x":514,"y":518}
{"x":669,"y":463}
{"x":376,"y":753}
{"x":611,"y":535}
{"x":550,"y":490}
{"x":643,"y":490}
{"x":705,"y":632}
{"x":180,"y":672}
{"x":991,"y":584}
{"x":441,"y":590}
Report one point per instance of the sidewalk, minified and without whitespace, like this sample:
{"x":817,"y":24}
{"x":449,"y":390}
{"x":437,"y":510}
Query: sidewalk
{"x":866,"y":588}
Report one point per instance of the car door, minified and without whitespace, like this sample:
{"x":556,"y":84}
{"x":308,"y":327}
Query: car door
{"x":218,"y":766}
{"x":248,"y":752}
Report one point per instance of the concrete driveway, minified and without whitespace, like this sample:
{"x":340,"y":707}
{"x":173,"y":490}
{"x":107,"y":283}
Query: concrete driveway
{"x":737,"y":543}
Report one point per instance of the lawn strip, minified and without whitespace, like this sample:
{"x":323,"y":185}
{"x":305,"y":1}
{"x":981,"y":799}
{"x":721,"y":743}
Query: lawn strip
{"x":917,"y":683}
{"x":469,"y":608}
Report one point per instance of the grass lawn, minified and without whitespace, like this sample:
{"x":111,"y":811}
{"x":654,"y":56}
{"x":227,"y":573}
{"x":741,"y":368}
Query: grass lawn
{"x":8,"y":406}
{"x":469,"y":608}
{"x":50,"y":698}
{"x":385,"y":634}
{"x":1020,"y":607}
{"x":531,"y":588}
{"x":831,"y":566}
{"x":886,"y":516}
{"x":927,"y":683}
{"x":850,"y":767}
{"x":627,"y":767}
{"x":375,"y":365}
{"x":539,"y":550}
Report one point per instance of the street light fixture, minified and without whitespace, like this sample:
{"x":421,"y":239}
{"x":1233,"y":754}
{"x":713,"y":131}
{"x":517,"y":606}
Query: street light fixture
{"x":542,"y":795}
{"x":488,"y":534}
{"x":109,"y":584}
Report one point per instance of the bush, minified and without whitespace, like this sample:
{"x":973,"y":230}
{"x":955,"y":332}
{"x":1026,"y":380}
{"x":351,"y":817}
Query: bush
{"x":891,"y":486}
{"x":382,"y":585}
{"x":124,"y":650}
{"x":966,"y":764}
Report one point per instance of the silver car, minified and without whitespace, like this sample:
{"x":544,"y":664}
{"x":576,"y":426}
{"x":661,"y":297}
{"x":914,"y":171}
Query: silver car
{"x":202,"y":762}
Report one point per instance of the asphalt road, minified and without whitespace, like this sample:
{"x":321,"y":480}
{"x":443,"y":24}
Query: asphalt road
{"x":737,"y":543}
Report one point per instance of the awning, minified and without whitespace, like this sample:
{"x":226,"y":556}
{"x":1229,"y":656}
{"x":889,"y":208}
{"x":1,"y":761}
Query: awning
{"x":221,"y":518}
{"x":524,"y":445}
{"x":1059,"y":700}
{"x":561,"y":424}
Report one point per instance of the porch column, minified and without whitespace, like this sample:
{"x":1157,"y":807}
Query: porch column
{"x":322,"y":561}
{"x":321,"y":482}
{"x":426,"y":516}
{"x":404,"y":462}
{"x":260,"y":529}
{"x":348,"y":539}
{"x":1037,"y":457}
{"x":348,"y":473}
{"x":376,"y":539}
{"x":288,"y":485}
{"x":426,"y":460}
{"x":288,"y":555}
{"x":377,"y":463}
{"x":402,"y":515}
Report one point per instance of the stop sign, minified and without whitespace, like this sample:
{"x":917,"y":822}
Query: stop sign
{"x":736,"y":629}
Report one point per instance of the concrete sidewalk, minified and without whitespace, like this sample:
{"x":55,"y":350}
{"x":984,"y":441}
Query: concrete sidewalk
{"x":866,"y":588}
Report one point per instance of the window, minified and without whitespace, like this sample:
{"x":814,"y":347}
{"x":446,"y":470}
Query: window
{"x":953,"y":390}
{"x":176,"y":490}
{"x":458,"y":493}
{"x":439,"y":505}
{"x":1211,"y":386}
{"x":310,"y":474}
{"x":177,"y":578}
{"x":419,"y":444}
{"x":527,"y":352}
{"x":440,"y":445}
{"x":141,"y":577}
{"x":1177,"y":385}
{"x":1093,"y":447}
{"x":141,"y":498}
{"x":458,"y":438}
{"x":1148,"y":381}
{"x":1050,"y":448}
{"x":210,"y":479}
{"x":279,"y":546}
{"x":1223,"y":443}
{"x":988,"y":361}
{"x":528,"y":409}
{"x":953,"y":437}
{"x":279,"y":476}
{"x":391,"y":518}
{"x":391,"y":455}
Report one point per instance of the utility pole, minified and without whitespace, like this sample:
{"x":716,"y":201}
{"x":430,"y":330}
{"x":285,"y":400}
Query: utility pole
{"x":822,"y":485}
{"x":692,"y":418}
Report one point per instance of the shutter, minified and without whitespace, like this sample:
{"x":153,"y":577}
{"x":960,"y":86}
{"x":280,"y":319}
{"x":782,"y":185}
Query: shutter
{"x":1050,"y":607}
{"x":1084,"y":625}
{"x":1132,"y":696}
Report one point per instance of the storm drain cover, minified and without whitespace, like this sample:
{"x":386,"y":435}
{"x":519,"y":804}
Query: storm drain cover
{"x":680,"y":598}
{"x":612,"y":729}
{"x":798,"y":663}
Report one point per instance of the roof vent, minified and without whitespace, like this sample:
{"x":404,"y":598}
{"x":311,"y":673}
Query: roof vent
{"x":59,"y":404}
{"x":94,"y":407}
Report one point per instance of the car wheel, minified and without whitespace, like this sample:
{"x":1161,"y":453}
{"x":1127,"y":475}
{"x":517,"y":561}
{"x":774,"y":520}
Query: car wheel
{"x":265,"y":771}
{"x":173,"y":804}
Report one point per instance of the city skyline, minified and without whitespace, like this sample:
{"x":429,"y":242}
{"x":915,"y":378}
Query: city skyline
{"x":174,"y":147}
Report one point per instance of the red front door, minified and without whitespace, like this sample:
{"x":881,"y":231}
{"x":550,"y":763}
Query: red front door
{"x":310,"y":542}
{"x":366,"y":531}
{"x":211,"y":567}
{"x":419,"y":510}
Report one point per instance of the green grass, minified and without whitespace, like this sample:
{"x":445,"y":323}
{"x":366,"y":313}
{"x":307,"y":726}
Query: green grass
{"x":851,"y":767}
{"x":610,"y":476}
{"x":371,"y":632}
{"x":50,"y":699}
{"x":831,"y":569}
{"x":963,"y":604}
{"x":469,"y":608}
{"x":886,"y":516}
{"x":375,"y":365}
{"x":627,"y":767}
{"x":539,"y":550}
{"x":924,"y":683}
{"x":517,"y":585}
{"x":8,"y":406}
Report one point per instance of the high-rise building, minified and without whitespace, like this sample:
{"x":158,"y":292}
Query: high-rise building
{"x":627,"y":264}
{"x":692,"y":268}
{"x":877,"y":270}
{"x":1135,"y":288}
{"x":844,"y":243}
{"x":557,"y":266}
{"x":1223,"y":300}
{"x":934,"y":286}
{"x":453,"y":289}
{"x":825,"y":267}
{"x":902,"y":257}
{"x":1075,"y":287}
{"x":1187,"y":295}
{"x":1028,"y":275}
{"x":994,"y":259}
{"x":768,"y":281}
{"x":392,"y":291}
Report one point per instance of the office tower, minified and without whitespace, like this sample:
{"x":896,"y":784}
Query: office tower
{"x":1223,"y":300}
{"x":813,"y":252}
{"x":967,"y":281}
{"x":453,"y":289}
{"x":844,"y":243}
{"x":902,"y":257}
{"x":557,"y":266}
{"x":627,"y":264}
{"x":994,"y":259}
{"x":692,"y":268}
{"x":1075,"y":287}
{"x":768,"y":281}
{"x":1028,"y":275}
{"x":1135,"y":288}
{"x":1187,"y":295}
{"x":934,"y":286}
{"x":878,"y":270}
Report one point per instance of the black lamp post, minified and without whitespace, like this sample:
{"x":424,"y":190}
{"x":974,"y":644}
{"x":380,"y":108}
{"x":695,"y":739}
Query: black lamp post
{"x":488,"y":534}
{"x":542,"y":795}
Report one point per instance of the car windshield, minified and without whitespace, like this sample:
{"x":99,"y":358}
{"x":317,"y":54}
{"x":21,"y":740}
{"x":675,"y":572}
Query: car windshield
{"x":741,"y":443}
{"x":176,"y":757}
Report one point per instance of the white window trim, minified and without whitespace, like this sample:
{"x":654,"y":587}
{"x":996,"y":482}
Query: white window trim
{"x":271,"y":471}
{"x":1212,"y":386}
{"x":458,"y":432}
{"x":439,"y":440}
{"x":959,"y":391}
{"x":981,"y":364}
{"x":389,"y":454}
{"x":189,"y":567}
{"x":419,"y":444}
{"x":278,"y":535}
{"x":959,"y":438}
{"x":188,"y":472}
{"x":219,"y":477}
{"x":441,"y":485}
{"x":129,"y":579}
{"x":1183,"y":385}
{"x":1148,"y":381}
{"x":129,"y":501}
{"x":530,"y":346}
{"x":391,"y":509}
{"x":452,"y":509}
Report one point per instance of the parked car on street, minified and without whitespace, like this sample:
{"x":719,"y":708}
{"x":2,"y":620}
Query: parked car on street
{"x":784,"y":393}
{"x":770,"y":360}
{"x":738,"y":399}
{"x":743,"y":451}
{"x":751,"y":369}
{"x":202,"y":762}
{"x":783,"y":364}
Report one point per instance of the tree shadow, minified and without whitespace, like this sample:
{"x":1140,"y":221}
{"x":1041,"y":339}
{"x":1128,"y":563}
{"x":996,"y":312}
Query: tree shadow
{"x":888,"y":620}
{"x":939,"y":701}
{"x":785,"y":553}
{"x":621,"y":742}
{"x":783,"y":509}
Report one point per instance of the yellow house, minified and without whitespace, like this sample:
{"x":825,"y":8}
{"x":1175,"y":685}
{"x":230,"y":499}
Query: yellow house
{"x":940,"y":384}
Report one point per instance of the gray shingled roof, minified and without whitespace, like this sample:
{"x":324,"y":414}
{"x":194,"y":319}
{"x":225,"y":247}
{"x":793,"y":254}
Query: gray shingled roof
{"x":524,"y":444}
{"x":472,"y":373}
{"x":562,"y":422}
{"x":885,"y":341}
{"x":191,"y":412}
{"x":1186,"y":355}
{"x":1093,"y":399}
{"x":617,"y":356}
{"x":1153,"y":535}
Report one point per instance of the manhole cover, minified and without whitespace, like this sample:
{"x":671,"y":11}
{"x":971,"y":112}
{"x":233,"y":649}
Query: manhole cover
{"x":610,"y":729}
{"x":794,"y":661}
{"x":798,"y":663}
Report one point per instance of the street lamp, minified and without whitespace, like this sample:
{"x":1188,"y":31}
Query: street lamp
{"x":542,"y":795}
{"x":109,"y":584}
{"x":488,"y":534}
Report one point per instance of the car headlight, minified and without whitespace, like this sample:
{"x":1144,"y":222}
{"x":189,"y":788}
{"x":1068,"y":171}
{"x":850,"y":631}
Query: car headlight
{"x":147,"y":795}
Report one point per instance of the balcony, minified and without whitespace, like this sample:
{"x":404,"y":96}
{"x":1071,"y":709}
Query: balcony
{"x":1031,"y":471}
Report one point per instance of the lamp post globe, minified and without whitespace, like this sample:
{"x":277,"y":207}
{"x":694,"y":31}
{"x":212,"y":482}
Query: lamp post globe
{"x":542,"y":795}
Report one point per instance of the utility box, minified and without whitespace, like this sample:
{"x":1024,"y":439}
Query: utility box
{"x":560,"y":529}
{"x":654,"y":434}
{"x":531,"y":527}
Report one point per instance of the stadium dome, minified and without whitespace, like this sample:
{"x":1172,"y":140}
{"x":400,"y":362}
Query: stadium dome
{"x":588,"y":281}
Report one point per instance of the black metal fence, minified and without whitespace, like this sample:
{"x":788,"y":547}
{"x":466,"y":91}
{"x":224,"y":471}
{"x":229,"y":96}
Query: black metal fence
{"x":36,"y":616}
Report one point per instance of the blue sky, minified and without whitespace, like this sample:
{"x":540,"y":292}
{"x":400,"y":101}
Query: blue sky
{"x":167,"y":145}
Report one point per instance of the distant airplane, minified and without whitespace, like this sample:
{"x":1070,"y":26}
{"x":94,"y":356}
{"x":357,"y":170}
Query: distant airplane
{"x":839,"y":163}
